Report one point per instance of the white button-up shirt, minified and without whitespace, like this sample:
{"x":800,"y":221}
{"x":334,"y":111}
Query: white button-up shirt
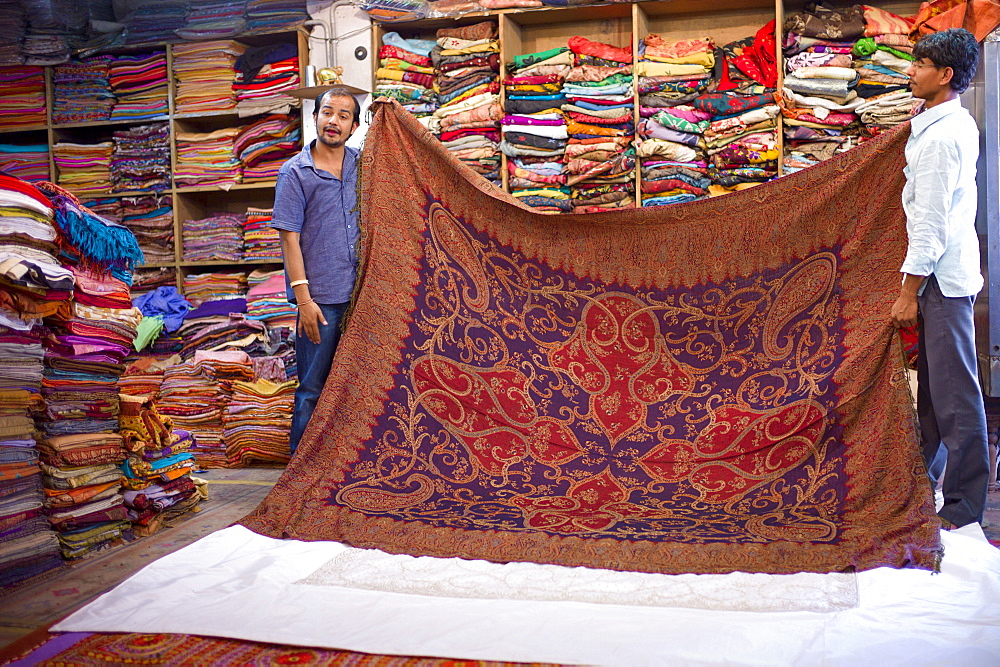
{"x":939,"y":199}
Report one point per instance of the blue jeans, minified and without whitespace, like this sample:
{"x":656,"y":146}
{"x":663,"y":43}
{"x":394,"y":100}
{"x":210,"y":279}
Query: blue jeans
{"x":313,"y":361}
{"x":950,"y":404}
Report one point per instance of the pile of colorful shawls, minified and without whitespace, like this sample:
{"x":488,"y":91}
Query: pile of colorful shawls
{"x":406,"y":74}
{"x":146,"y":280}
{"x":467,"y":65}
{"x":81,"y":91}
{"x":140,"y":159}
{"x":32,"y":284}
{"x":23,"y":99}
{"x":205,"y":72}
{"x":199,"y":287}
{"x":207,"y":19}
{"x":846,"y":79}
{"x":267,"y":300}
{"x":158,"y":469}
{"x":263,"y":74}
{"x":158,"y":21}
{"x":265,"y":145}
{"x":29,"y":162}
{"x":139,"y":83}
{"x":151,"y":219}
{"x":218,"y":237}
{"x":671,"y":75}
{"x":272,"y":14}
{"x":206,"y":158}
{"x":534,"y":129}
{"x":260,"y":239}
{"x":257,"y":422}
{"x":83,"y":167}
{"x":599,"y":108}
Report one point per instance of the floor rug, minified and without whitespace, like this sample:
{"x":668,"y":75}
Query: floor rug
{"x":706,"y":388}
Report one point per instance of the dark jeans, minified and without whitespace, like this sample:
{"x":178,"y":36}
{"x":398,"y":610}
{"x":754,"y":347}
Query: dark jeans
{"x":950,"y":404}
{"x":313,"y":362}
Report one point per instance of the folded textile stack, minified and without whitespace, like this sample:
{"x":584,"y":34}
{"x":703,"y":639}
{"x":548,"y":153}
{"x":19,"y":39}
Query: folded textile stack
{"x":271,"y":14}
{"x":534,"y":129}
{"x":32,"y":284}
{"x":144,"y":375}
{"x":671,"y":75}
{"x":741,"y":141}
{"x":467,"y":65}
{"x":214,"y":19}
{"x":165,"y":303}
{"x":199,"y":287}
{"x":23,"y":99}
{"x":205,"y":73}
{"x":16,"y":23}
{"x":195,"y":393}
{"x":140,"y":159}
{"x":218,"y":237}
{"x":265,"y":145}
{"x":206,"y":158}
{"x":158,"y":469}
{"x":406,"y":74}
{"x":222,"y":325}
{"x":599,"y":106}
{"x":260,"y":240}
{"x":263,"y":73}
{"x":146,"y":280}
{"x":83,"y":167}
{"x":84,"y":354}
{"x":257,"y":421}
{"x":54,"y":29}
{"x":29,"y":162}
{"x":81,"y":91}
{"x":151,"y":219}
{"x":882,"y":57}
{"x":151,"y":21}
{"x":109,"y":208}
{"x":139,"y":83}
{"x":267,"y":299}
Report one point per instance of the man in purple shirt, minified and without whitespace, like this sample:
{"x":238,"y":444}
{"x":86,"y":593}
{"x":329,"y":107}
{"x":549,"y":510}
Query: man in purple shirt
{"x":316,"y":212}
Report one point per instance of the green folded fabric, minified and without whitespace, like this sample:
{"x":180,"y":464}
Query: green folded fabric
{"x":149,"y":328}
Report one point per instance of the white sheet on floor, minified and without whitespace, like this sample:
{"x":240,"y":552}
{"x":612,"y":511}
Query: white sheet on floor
{"x":235,"y":583}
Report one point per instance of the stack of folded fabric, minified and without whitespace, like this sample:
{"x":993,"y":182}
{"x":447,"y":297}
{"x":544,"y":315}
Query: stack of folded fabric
{"x":81,"y":91}
{"x":84,"y":354}
{"x":158,"y":469}
{"x":83,"y":167}
{"x":820,"y":97}
{"x":55,"y":28}
{"x":672,"y":74}
{"x":218,"y":237}
{"x":406,"y":74}
{"x":154,"y":21}
{"x":23,"y":99}
{"x":195,"y":394}
{"x":467,"y":66}
{"x":139,"y":83}
{"x":199,"y":287}
{"x":144,"y":375}
{"x":12,"y":16}
{"x":140,"y":160}
{"x":271,"y":14}
{"x":147,"y":280}
{"x":264,"y":75}
{"x":206,"y":158}
{"x":741,"y":141}
{"x":32,"y":284}
{"x":260,"y":239}
{"x":29,"y":162}
{"x":213,"y":19}
{"x":165,"y":303}
{"x":257,"y":421}
{"x":151,"y":219}
{"x":109,"y":208}
{"x":534,"y":129}
{"x":205,"y":72}
{"x":267,"y":300}
{"x":265,"y":145}
{"x":599,"y":106}
{"x":882,"y":57}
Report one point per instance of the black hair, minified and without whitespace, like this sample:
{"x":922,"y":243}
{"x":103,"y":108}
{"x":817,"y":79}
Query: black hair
{"x":338,"y":91}
{"x":956,"y":48}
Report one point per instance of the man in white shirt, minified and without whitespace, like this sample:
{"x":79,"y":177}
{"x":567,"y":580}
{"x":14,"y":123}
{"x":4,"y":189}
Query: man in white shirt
{"x":941,"y":273}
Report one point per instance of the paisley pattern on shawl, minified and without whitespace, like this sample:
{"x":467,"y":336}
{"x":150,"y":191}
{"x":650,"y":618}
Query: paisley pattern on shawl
{"x":711,"y":388}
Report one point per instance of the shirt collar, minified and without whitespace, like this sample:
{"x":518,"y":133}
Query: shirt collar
{"x":350,"y":159}
{"x":928,"y":117}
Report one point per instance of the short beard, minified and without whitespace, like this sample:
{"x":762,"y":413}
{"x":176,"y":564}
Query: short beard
{"x":332,"y":143}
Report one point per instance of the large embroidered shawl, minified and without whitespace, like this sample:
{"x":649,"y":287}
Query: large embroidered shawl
{"x":706,"y":387}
